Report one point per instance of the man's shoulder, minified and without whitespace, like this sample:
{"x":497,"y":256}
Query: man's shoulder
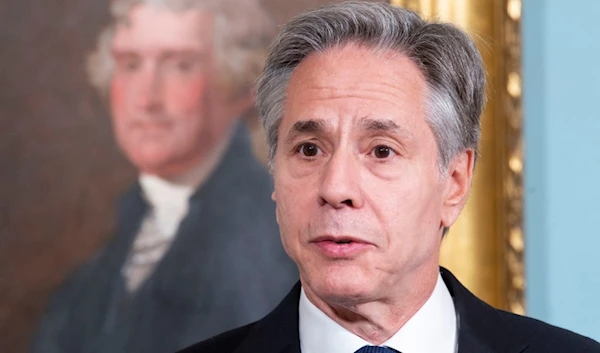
{"x":277,"y":331}
{"x":544,"y":337}
{"x":224,"y":343}
{"x":485,"y":326}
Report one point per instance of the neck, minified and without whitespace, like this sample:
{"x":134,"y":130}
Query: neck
{"x":378,"y":320}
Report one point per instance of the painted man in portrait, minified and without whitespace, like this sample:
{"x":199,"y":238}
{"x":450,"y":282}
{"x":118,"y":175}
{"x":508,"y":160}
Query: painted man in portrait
{"x":196,"y":249}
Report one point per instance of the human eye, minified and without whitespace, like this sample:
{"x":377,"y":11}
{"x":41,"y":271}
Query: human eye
{"x":382,"y":152}
{"x":308,"y":150}
{"x":184,"y":65}
{"x":128,"y":64}
{"x":181,"y":64}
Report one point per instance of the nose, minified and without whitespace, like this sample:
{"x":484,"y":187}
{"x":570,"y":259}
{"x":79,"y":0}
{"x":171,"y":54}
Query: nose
{"x":340,"y":183}
{"x":147,"y":90}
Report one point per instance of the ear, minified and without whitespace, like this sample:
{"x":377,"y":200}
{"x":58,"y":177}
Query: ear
{"x":457,"y":186}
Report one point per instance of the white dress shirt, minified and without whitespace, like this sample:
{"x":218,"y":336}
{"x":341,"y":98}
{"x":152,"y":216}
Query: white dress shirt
{"x":431,"y":330}
{"x":168,"y":201}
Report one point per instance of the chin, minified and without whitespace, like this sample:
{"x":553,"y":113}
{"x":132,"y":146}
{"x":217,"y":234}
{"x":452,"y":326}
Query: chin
{"x":154,"y":166}
{"x":150,"y":159}
{"x":342,"y":283}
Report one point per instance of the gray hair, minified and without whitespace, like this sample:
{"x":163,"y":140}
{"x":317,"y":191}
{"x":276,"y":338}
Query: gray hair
{"x":243,"y":28}
{"x":446,"y":56}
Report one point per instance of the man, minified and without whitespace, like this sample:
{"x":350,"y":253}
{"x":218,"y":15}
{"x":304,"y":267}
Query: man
{"x":372,"y":117}
{"x":196,"y":250}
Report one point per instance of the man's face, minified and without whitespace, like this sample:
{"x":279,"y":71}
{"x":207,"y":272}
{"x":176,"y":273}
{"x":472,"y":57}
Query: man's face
{"x":360,"y":200}
{"x":168,"y":111}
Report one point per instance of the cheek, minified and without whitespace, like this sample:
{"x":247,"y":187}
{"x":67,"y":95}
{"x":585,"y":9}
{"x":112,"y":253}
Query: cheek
{"x":186,"y":96}
{"x":286,"y":230}
{"x":402,"y":204}
{"x":420,"y":213}
{"x":292,"y":207}
{"x":118,"y":99}
{"x":121,"y":112}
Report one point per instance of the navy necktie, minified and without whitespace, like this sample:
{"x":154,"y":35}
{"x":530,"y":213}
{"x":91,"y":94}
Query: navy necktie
{"x":376,"y":349}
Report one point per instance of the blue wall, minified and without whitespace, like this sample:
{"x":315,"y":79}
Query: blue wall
{"x":561,"y":67}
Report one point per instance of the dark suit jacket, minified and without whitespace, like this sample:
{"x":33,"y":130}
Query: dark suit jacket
{"x":225,"y":268}
{"x":482,"y":329}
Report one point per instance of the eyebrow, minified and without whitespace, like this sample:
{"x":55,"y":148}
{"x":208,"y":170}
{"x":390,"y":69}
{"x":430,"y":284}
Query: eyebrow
{"x":184,"y":52}
{"x":319,"y":126}
{"x":382,"y":125}
{"x":193,"y":53}
{"x":123,"y":53}
{"x":311,"y":126}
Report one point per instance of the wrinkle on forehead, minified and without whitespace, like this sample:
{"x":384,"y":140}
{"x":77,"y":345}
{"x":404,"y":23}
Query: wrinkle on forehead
{"x":328,"y":81}
{"x":366,"y":123}
{"x":355,"y":89}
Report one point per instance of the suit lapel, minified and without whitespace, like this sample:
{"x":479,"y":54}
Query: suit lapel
{"x":100,"y":309}
{"x":278,"y":331}
{"x":180,"y":277}
{"x":185,"y":262}
{"x":482,"y":329}
{"x":197,"y":230}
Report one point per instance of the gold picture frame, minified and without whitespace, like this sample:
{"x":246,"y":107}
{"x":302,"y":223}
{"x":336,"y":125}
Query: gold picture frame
{"x":485,"y":247}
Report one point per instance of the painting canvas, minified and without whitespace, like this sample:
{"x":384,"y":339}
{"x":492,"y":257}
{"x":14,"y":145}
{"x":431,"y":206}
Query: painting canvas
{"x":67,"y":159}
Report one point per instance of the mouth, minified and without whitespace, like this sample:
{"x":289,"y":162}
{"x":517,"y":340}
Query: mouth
{"x":153,"y":125}
{"x":340,"y":246}
{"x":341,"y":239}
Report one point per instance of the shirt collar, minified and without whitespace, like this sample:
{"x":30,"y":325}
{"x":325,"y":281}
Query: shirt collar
{"x":431,"y":330}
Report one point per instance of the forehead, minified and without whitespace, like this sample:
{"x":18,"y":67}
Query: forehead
{"x":153,"y":28}
{"x":357,"y":80}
